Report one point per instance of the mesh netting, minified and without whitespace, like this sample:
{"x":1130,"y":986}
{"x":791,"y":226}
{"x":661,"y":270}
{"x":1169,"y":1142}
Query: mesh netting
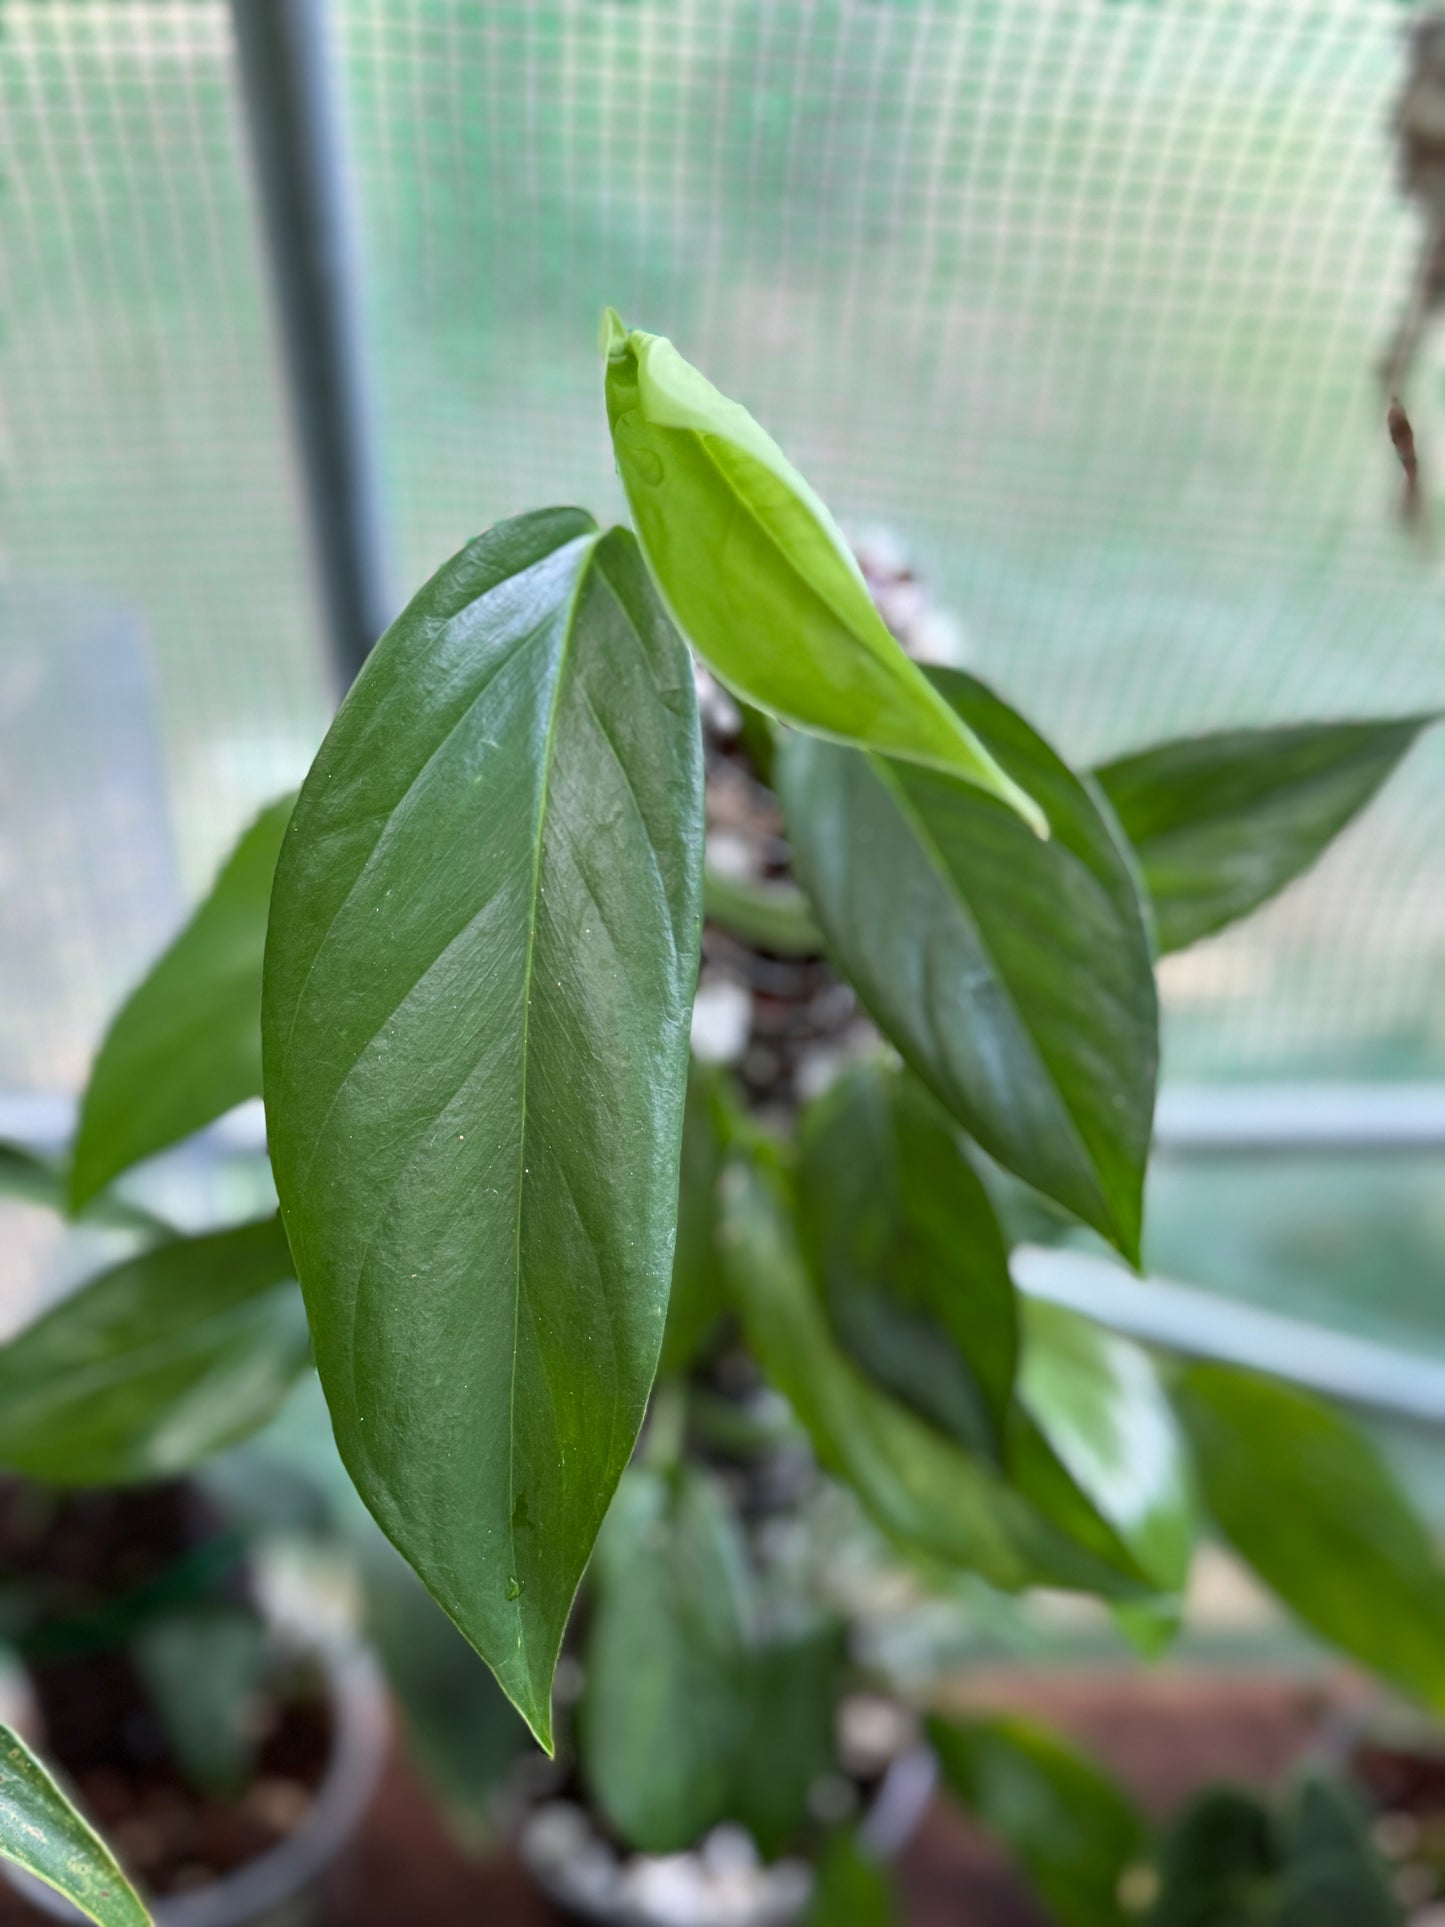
{"x":1082,"y":299}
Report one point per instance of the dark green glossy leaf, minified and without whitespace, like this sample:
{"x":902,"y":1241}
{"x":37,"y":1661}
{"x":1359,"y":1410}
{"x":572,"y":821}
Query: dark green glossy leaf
{"x":42,"y":1832}
{"x":1095,"y":1404}
{"x":1305,"y":1498}
{"x":1222,"y":822}
{"x":186,"y":1045}
{"x":483,"y":951}
{"x":900,"y":1234}
{"x":937,"y":1501}
{"x":853,"y":1889}
{"x":664,"y":1714}
{"x":156,"y":1363}
{"x":1072,"y":1830}
{"x":757,"y":576}
{"x":699,"y":1294}
{"x":1013,"y":975}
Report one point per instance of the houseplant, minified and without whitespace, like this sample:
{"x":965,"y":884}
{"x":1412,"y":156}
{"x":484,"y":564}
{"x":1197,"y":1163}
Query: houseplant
{"x":1303,"y":1857}
{"x":230,"y":1741}
{"x":480,"y":955}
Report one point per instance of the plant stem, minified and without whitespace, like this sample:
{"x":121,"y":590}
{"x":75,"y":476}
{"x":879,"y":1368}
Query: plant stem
{"x":666,"y":1424}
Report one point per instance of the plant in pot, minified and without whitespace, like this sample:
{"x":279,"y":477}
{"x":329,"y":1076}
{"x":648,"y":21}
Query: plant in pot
{"x":227,"y":1741}
{"x":1306,"y":1856}
{"x":226,"y":1751}
{"x":475,"y":971}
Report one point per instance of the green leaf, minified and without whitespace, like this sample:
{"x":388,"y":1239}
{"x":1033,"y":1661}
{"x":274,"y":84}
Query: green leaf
{"x":1072,"y":1830}
{"x":461,"y":1729}
{"x":1222,"y":822}
{"x":935,"y":1500}
{"x":1218,"y":1863}
{"x":758,"y":577}
{"x":1229,"y":1862}
{"x":1096,"y":1406}
{"x":1306,"y":1500}
{"x":1332,"y":1876}
{"x":853,"y":1889}
{"x":793,"y":1682}
{"x":760,"y":740}
{"x":483,"y":951}
{"x":1013,"y":975}
{"x":31,"y":1178}
{"x":1323,"y":1817}
{"x":699,"y":1294}
{"x":1151,"y":1626}
{"x":690,"y":1715}
{"x":1335,"y":1892}
{"x":663,"y":1716}
{"x":155,"y":1364}
{"x":911,"y":1260}
{"x":42,"y":1832}
{"x":186,"y":1045}
{"x":771,"y":915}
{"x":24,"y":1174}
{"x":202,"y":1668}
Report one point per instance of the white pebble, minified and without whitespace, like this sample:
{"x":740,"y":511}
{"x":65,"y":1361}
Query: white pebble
{"x":722,"y":1017}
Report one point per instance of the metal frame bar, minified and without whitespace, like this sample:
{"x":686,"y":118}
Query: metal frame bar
{"x":1202,"y":1324}
{"x":1179,"y":1318}
{"x":1241,"y":1121}
{"x":1301,"y":1119}
{"x":297,"y":140}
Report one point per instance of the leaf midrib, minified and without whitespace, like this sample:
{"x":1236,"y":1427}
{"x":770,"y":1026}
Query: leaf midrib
{"x":934,"y":857}
{"x":872,"y":648}
{"x":394,"y":809}
{"x":1283,"y":799}
{"x":1368,"y":750}
{"x":569,"y":630}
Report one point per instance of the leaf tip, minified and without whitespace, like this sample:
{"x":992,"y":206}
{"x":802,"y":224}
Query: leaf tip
{"x":538,"y":1715}
{"x":612,"y":335}
{"x":1025,"y":806}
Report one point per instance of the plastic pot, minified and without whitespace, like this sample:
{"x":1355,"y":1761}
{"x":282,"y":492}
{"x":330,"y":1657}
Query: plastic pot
{"x":283,"y":1887}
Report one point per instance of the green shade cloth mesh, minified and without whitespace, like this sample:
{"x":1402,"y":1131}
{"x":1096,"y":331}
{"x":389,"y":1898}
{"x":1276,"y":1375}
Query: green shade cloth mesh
{"x":1082,"y":299}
